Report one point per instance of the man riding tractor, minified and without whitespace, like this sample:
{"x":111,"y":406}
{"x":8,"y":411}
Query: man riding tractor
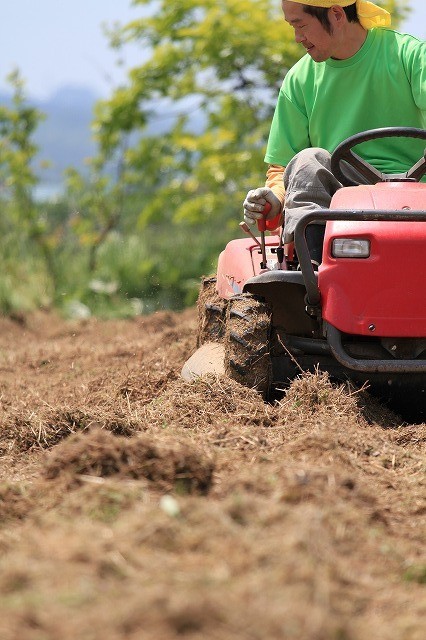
{"x":348,"y":298}
{"x":357,"y":75}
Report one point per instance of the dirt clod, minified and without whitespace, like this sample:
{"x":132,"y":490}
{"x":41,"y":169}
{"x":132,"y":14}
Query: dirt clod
{"x":166,"y":464}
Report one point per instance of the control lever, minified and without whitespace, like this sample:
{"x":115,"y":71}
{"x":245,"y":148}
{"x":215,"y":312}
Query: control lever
{"x":244,"y":226}
{"x":261,"y":225}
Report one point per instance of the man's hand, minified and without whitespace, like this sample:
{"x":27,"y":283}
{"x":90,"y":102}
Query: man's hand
{"x":255,"y":202}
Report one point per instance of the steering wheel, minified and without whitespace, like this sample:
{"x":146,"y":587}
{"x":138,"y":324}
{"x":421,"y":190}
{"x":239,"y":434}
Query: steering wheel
{"x":344,"y":153}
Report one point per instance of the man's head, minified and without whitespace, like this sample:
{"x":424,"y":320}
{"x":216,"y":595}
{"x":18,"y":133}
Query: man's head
{"x":328,"y":28}
{"x":321,"y":13}
{"x":324,"y":33}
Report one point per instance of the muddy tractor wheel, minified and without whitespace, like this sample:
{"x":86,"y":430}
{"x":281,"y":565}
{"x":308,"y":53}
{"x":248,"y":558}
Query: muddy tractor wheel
{"x":211,"y":313}
{"x":247,"y":358}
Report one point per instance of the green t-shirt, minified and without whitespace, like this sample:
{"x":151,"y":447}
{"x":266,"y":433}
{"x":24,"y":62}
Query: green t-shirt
{"x":382,"y":85}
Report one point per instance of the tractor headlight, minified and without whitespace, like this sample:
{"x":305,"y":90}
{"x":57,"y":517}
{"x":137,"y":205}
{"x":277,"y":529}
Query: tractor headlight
{"x":350,"y":248}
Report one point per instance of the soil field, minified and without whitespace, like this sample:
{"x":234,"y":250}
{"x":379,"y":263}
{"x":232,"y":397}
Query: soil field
{"x":136,"y":505}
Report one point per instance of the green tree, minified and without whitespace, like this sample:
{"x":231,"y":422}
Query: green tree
{"x":23,"y":227}
{"x":190,"y":128}
{"x":215,"y":68}
{"x":18,"y":151}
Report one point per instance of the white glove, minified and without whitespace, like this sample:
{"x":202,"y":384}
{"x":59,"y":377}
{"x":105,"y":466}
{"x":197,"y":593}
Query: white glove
{"x":255,"y":202}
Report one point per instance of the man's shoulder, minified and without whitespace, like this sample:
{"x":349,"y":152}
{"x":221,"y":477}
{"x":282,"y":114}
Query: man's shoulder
{"x":392,"y":36}
{"x":300,"y":72}
{"x":304,"y":64}
{"x":407,"y":49}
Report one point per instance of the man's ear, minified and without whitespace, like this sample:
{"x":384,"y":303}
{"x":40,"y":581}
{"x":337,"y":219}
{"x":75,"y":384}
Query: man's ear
{"x":337,"y":16}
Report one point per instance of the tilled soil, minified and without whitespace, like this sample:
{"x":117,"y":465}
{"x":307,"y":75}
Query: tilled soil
{"x":136,"y":505}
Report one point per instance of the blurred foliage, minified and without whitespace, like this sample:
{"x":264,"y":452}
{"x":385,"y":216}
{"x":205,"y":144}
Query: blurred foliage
{"x":25,"y":242}
{"x":17,"y":150}
{"x":215,"y":67}
{"x":178,"y":147}
{"x":399,"y":10}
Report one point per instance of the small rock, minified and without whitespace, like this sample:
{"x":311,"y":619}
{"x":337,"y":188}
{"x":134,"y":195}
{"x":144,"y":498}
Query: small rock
{"x":170,"y":506}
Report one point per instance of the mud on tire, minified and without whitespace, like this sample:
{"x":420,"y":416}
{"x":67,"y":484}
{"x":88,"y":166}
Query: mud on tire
{"x":247,"y":358}
{"x":211,"y":313}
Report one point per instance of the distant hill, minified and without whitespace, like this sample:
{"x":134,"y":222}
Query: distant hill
{"x":65,"y":137}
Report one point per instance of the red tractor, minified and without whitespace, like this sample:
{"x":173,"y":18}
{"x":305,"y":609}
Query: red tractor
{"x":268,"y":315}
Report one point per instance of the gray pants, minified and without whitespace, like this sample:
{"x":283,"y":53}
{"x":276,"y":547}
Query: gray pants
{"x":309,"y":185}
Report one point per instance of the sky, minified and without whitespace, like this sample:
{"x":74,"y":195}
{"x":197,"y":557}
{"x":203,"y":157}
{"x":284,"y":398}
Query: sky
{"x":61,"y":42}
{"x":56,"y":43}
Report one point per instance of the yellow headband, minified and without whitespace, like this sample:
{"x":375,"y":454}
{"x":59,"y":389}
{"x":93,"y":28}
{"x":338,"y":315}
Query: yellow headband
{"x":369,"y":14}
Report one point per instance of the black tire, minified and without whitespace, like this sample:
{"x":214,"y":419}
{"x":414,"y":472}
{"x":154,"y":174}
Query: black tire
{"x":247,"y":343}
{"x":211,"y":313}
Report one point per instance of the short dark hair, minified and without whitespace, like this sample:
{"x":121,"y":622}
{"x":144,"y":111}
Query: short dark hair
{"x":322,"y":14}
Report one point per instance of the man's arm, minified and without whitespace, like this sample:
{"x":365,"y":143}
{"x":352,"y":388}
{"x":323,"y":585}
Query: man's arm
{"x":272,"y":193}
{"x":275,"y":181}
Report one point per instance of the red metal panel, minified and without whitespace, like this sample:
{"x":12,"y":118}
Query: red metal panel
{"x":384,"y":195}
{"x":384,"y":294}
{"x":240,"y":261}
